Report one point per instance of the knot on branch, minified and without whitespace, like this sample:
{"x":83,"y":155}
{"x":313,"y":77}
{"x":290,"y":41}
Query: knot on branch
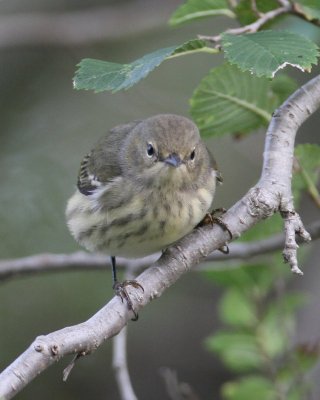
{"x":262,"y":203}
{"x":42,"y":345}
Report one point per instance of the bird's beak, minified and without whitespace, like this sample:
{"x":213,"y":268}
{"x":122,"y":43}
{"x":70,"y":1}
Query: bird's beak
{"x":173,"y":159}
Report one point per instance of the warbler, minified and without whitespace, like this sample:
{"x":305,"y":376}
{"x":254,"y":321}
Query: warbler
{"x":145,"y":185}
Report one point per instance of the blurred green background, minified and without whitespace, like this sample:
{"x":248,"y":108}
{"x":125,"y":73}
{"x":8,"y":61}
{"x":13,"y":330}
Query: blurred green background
{"x":46,"y":128}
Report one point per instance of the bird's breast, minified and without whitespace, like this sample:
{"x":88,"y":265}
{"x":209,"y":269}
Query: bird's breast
{"x":145,"y":223}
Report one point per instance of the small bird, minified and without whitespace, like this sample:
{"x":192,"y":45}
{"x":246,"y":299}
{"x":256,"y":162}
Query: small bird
{"x":145,"y":185}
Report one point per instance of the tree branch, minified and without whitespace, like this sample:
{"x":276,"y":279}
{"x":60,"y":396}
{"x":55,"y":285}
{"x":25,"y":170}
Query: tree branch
{"x":119,"y":363}
{"x":254,"y":26}
{"x":82,"y":261}
{"x":175,"y":389}
{"x":119,"y":359}
{"x":271,"y":194}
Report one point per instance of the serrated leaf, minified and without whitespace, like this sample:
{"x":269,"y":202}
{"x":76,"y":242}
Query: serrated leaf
{"x":238,"y":351}
{"x":228,"y":100}
{"x":195,"y":9}
{"x":249,"y":387}
{"x":246,"y":14}
{"x":101,"y":75}
{"x":310,"y":9}
{"x":237,"y":309}
{"x":307,"y":171}
{"x":265,"y":53}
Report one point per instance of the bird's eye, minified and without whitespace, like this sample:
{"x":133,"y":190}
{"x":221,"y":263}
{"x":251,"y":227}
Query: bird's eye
{"x":150,"y":150}
{"x":193,"y":154}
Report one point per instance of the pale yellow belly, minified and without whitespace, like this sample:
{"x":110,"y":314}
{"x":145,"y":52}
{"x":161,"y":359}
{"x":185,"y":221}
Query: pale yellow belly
{"x":142,"y":227}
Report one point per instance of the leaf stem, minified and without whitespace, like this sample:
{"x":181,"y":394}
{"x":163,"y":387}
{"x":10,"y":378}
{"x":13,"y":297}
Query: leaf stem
{"x":209,"y":50}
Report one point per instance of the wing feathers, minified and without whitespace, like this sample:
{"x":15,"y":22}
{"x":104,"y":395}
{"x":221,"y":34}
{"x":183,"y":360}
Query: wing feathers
{"x":102,"y":165}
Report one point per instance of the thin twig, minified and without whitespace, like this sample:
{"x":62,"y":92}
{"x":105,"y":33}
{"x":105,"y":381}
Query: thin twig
{"x":119,"y":360}
{"x":81,"y":261}
{"x":232,"y":3}
{"x":284,"y":3}
{"x":251,"y":28}
{"x":255,"y":9}
{"x":119,"y":364}
{"x":177,"y":390}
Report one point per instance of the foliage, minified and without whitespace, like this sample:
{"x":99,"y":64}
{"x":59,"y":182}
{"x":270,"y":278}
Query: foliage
{"x":228,"y":100}
{"x":264,"y":53}
{"x":307,"y":168}
{"x":100,"y":75}
{"x":308,"y":8}
{"x":259,"y":313}
{"x":247,"y":97}
{"x":245,"y":13}
{"x":194,"y":9}
{"x":257,"y":342}
{"x":240,"y":96}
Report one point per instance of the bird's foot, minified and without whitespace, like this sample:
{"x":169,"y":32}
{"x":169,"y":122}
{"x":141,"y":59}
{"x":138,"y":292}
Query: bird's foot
{"x":121,"y":291}
{"x":212,"y":218}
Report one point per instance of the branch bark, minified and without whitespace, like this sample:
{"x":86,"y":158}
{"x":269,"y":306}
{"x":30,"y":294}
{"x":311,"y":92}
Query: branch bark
{"x":82,"y":261}
{"x":271,"y":194}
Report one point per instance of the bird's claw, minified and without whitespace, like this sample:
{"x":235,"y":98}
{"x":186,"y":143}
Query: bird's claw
{"x":211,"y":218}
{"x":121,"y":291}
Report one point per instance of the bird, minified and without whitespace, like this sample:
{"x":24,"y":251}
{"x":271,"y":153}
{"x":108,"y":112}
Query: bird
{"x":143,"y":186}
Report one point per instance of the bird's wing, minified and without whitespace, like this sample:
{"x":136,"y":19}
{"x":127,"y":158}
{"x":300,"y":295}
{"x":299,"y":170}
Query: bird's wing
{"x":214,"y":165}
{"x":101,"y":165}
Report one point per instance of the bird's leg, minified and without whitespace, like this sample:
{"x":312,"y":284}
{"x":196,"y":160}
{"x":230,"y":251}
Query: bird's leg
{"x":120,"y":288}
{"x":211,"y":218}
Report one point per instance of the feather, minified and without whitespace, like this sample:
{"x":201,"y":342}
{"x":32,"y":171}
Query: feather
{"x":101,"y":165}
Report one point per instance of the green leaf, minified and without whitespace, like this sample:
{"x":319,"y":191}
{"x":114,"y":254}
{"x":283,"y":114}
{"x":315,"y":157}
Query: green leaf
{"x":249,"y":387}
{"x":191,"y":47}
{"x":237,"y":309}
{"x":310,"y":9}
{"x":245,"y":13}
{"x":278,"y":325}
{"x":100,"y":75}
{"x":238,"y":351}
{"x":195,"y":9}
{"x":228,"y":100}
{"x":272,"y":334}
{"x":255,"y":280}
{"x":307,"y":171}
{"x":265,"y":53}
